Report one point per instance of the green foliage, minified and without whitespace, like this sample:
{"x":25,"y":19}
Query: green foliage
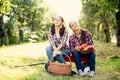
{"x":4,"y":7}
{"x":13,"y":39}
{"x":96,"y":13}
{"x":12,"y":31}
{"x":88,"y":18}
{"x":31,"y":37}
{"x":25,"y":13}
{"x":36,"y":36}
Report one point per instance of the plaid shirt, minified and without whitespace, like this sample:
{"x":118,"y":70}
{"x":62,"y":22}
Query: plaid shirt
{"x":62,"y":40}
{"x":75,"y":41}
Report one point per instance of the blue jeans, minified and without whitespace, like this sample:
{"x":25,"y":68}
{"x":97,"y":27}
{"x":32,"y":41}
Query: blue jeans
{"x":59,"y":57}
{"x":91,"y":57}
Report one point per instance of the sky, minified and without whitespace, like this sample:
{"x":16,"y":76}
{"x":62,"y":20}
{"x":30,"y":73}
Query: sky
{"x":68,"y":9}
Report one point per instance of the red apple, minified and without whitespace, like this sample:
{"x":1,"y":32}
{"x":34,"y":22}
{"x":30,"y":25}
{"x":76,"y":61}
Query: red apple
{"x":80,"y":48}
{"x":86,"y":48}
{"x":90,"y":47}
{"x":83,"y":45}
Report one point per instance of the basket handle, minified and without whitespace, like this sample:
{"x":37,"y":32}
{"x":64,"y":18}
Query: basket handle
{"x":65,"y":55}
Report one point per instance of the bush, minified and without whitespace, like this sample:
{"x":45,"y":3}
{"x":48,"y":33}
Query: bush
{"x":35,"y":36}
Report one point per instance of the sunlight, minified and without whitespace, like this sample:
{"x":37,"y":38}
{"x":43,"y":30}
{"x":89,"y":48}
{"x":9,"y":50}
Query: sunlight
{"x":69,"y":9}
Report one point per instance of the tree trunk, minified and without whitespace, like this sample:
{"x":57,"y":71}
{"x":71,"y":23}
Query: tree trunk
{"x":118,"y":27}
{"x":33,"y":22}
{"x":21,"y":20}
{"x":21,"y":39}
{"x":106,"y":29}
{"x":107,"y":34}
{"x":98,"y":31}
{"x":3,"y":36}
{"x":33,"y":26}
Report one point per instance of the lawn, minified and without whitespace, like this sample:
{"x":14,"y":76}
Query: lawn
{"x":107,"y":63}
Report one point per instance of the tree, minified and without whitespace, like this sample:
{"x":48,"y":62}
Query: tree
{"x":106,"y":16}
{"x":28,"y":13}
{"x":20,"y":9}
{"x":111,"y":11}
{"x":117,"y":8}
{"x":4,"y":9}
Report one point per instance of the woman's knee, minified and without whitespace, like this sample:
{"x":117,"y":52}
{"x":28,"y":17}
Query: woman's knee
{"x":92,"y":55}
{"x":65,"y":52}
{"x":75,"y":53}
{"x":48,"y":48}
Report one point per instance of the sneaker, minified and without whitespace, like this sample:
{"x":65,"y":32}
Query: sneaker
{"x":81,"y":73}
{"x":87,"y":71}
{"x":91,"y":73}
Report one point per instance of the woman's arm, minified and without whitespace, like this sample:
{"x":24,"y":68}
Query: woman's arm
{"x":63,"y":40}
{"x":59,"y":47}
{"x":71,"y":44}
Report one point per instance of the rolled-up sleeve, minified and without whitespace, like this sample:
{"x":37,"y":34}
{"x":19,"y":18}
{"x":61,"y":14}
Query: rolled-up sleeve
{"x":71,"y":44}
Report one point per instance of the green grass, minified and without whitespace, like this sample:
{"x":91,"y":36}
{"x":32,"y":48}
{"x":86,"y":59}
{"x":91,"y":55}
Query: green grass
{"x":107,"y":63}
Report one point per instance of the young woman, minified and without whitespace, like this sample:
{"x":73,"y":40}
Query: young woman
{"x":57,"y":36}
{"x":78,"y":38}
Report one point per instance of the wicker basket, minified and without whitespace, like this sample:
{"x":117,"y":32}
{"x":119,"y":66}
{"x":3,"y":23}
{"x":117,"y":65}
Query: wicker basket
{"x":60,"y":69}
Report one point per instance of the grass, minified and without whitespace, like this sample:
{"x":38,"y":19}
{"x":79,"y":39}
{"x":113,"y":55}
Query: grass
{"x":107,"y":63}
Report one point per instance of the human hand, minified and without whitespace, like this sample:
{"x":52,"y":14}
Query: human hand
{"x":77,"y":48}
{"x":56,"y":52}
{"x":59,"y":52}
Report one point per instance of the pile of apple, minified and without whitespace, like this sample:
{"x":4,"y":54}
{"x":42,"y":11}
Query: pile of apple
{"x":85,"y":47}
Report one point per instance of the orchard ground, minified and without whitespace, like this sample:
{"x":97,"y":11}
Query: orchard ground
{"x":107,"y":62}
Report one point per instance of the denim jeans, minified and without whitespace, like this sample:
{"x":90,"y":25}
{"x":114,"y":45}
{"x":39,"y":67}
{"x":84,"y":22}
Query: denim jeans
{"x":59,"y":57}
{"x":91,"y":57}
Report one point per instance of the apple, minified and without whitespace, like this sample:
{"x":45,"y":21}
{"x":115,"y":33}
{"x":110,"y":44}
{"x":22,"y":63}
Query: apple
{"x":90,"y":47}
{"x":80,"y":48}
{"x":83,"y":45}
{"x":86,"y":48}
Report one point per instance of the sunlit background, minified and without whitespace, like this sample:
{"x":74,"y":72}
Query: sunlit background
{"x":68,"y":9}
{"x":24,"y":25}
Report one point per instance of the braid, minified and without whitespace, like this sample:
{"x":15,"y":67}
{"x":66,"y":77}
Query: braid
{"x":53,"y":29}
{"x":62,"y":30}
{"x":83,"y":36}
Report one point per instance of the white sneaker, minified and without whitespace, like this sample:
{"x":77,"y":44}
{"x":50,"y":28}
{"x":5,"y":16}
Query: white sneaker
{"x":91,"y":73}
{"x":87,"y":70}
{"x":81,"y":73}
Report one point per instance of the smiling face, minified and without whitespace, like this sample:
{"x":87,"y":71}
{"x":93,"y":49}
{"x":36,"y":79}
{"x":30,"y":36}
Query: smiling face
{"x":58,"y":21}
{"x":74,"y":26}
